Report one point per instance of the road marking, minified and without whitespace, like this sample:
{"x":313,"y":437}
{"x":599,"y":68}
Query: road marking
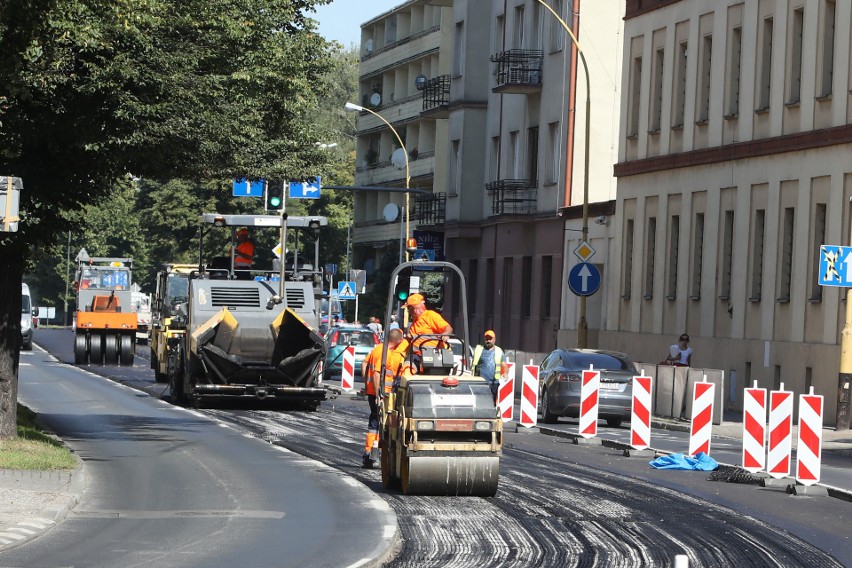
{"x":197,"y":514}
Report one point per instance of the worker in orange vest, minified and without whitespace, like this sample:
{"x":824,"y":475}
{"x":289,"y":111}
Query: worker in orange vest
{"x":244,"y":251}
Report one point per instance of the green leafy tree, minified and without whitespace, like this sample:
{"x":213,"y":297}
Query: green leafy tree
{"x":162,"y":89}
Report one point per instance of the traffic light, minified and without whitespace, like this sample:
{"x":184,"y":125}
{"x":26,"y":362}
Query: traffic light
{"x":403,"y":287}
{"x":274,"y":196}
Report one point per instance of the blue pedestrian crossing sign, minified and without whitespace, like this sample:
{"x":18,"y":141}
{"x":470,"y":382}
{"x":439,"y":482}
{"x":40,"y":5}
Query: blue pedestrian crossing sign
{"x":346,"y":290}
{"x":584,"y":279}
{"x":834,"y":266}
{"x":305,"y":189}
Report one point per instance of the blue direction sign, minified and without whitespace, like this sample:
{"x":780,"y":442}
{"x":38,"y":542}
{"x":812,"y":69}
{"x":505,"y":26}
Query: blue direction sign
{"x":244,"y":188}
{"x":834,"y":266}
{"x":305,"y":189}
{"x":584,"y":279}
{"x":346,"y":290}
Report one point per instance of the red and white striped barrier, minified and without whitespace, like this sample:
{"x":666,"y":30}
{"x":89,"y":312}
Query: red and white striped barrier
{"x":809,"y":449}
{"x":347,"y":376}
{"x":754,"y":429}
{"x":702,"y":417}
{"x":506,"y":392}
{"x":780,"y":433}
{"x":640,"y":420}
{"x":529,"y":396}
{"x":589,"y":390}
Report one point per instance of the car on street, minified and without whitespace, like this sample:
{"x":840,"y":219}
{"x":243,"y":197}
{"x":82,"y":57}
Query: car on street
{"x":338,"y":338}
{"x":560,"y":377}
{"x":28,"y":317}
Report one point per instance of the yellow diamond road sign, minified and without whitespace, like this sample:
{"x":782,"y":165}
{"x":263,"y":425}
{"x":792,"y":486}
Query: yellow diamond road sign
{"x":584,"y":251}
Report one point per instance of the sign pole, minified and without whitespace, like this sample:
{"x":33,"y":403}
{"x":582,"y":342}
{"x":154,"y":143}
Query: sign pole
{"x":845,"y":378}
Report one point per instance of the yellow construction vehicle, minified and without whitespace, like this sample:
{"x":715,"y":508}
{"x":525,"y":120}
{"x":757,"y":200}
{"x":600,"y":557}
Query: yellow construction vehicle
{"x":440,"y":432}
{"x":171,"y":291}
{"x":105,"y":323}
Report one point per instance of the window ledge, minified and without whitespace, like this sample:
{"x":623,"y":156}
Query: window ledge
{"x":648,"y":296}
{"x":754,"y":299}
{"x":783,"y":300}
{"x":732,"y":116}
{"x":701,"y":122}
{"x":761,"y":110}
{"x":824,"y":98}
{"x":654,"y":131}
{"x":671,"y":297}
{"x":634,"y":136}
{"x":815,"y":300}
{"x":678,"y":126}
{"x":724,"y":297}
{"x":625,"y":296}
{"x":695,"y":297}
{"x":793,"y":104}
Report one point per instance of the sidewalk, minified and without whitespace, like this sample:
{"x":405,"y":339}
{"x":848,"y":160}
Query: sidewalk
{"x":31,"y":502}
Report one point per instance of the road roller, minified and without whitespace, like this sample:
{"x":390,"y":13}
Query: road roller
{"x":440,"y":430}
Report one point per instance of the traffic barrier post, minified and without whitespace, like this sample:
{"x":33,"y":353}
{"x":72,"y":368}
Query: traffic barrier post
{"x":702,"y":417}
{"x":754,"y":429}
{"x":809,"y":448}
{"x":640,"y":415}
{"x":347,"y":376}
{"x":529,"y":396}
{"x":589,"y":389}
{"x":506,"y":392}
{"x":780,"y":433}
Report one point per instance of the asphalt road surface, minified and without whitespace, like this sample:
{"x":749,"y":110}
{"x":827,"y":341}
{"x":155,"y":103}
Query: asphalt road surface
{"x":561,"y":504}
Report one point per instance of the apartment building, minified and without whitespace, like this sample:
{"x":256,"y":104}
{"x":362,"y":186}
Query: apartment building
{"x":503,"y":109}
{"x":733,"y":168}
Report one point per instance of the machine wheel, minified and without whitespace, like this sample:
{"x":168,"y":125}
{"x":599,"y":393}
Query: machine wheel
{"x":80,"y":348}
{"x":614,"y":422}
{"x":111,"y":349}
{"x":176,"y":388}
{"x":96,"y":349}
{"x":546,"y":415}
{"x":405,"y":475}
{"x":389,"y":480}
{"x":127,"y":350}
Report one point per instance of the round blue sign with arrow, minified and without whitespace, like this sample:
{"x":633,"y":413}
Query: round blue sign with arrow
{"x":584,"y":279}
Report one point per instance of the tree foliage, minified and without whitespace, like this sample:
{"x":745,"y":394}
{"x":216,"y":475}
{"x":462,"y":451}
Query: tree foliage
{"x":94,"y":90}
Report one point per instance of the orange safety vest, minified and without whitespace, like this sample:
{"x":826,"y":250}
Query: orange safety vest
{"x":246,"y":248}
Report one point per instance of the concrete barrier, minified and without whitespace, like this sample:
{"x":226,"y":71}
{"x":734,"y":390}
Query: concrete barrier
{"x":673,"y":389}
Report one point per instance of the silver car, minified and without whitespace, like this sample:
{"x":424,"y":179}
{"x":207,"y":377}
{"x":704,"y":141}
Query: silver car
{"x":560,"y":377}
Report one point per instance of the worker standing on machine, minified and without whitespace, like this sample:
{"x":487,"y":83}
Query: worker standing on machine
{"x":424,"y":322}
{"x":244,"y":251}
{"x":371,"y":370}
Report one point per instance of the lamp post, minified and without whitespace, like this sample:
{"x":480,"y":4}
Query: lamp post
{"x":582,"y":326}
{"x":354,"y":107}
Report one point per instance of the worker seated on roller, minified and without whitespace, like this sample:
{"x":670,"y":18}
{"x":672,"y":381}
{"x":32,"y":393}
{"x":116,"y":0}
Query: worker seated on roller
{"x":428,"y":323}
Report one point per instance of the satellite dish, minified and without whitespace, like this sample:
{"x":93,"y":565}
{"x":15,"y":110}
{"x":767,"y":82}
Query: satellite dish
{"x":398,"y":158}
{"x":420,"y":82}
{"x":391,"y":212}
{"x":368,"y":45}
{"x":376,"y":99}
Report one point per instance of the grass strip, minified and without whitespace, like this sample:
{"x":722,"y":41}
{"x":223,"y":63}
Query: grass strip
{"x":33,"y":449}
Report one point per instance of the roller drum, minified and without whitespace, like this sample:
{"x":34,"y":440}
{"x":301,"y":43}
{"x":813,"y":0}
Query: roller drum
{"x":450,"y":475}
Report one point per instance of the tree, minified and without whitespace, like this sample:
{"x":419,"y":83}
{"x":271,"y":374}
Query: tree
{"x":163,"y":89}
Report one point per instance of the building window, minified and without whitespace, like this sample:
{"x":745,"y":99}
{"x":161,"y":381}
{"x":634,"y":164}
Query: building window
{"x":733,"y":107}
{"x":704,"y":79}
{"x":515,"y":155}
{"x":795,"y":88}
{"x":657,"y":93}
{"x":650,"y":250}
{"x":627,"y":269}
{"x":473,"y":284}
{"x":455,"y":167}
{"x":826,"y":68}
{"x":499,"y":30}
{"x":489,"y":281}
{"x":818,"y":241}
{"x":680,"y":86}
{"x":526,"y":286}
{"x":757,"y":237}
{"x":727,"y":256}
{"x":697,"y":255}
{"x":764,"y":91}
{"x":546,"y":285}
{"x":786,"y":273}
{"x":495,"y":158}
{"x":635,"y":96}
{"x":674,"y":249}
{"x":532,"y":153}
{"x":557,"y":32}
{"x":518,"y":39}
{"x":458,"y":50}
{"x":553,"y":151}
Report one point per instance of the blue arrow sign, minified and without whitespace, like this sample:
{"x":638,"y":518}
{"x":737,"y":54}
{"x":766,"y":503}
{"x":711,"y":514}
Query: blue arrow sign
{"x":346,"y":290}
{"x":834,"y":266}
{"x":305,"y":189}
{"x":584,"y":279}
{"x":244,"y":188}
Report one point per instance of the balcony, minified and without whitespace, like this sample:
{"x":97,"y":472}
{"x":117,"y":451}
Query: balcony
{"x":512,"y":196}
{"x":518,"y":71}
{"x":436,"y":97}
{"x":430,"y":209}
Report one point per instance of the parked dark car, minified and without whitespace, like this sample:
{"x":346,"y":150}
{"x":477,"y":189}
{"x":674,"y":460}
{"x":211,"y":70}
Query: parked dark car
{"x":560,"y":377}
{"x":339,"y":338}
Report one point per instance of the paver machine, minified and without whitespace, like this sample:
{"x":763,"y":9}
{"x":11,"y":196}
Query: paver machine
{"x":251,"y":334}
{"x":105,"y":323}
{"x":440,"y":430}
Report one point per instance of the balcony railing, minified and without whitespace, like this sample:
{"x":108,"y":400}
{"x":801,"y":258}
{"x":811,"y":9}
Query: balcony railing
{"x":518,"y":71}
{"x":512,"y":196}
{"x":431,"y":209}
{"x":436,"y":97}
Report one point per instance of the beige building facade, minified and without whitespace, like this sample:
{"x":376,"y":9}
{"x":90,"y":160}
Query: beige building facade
{"x":733,"y":168}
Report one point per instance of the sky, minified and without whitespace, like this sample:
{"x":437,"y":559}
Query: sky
{"x":341,"y":20}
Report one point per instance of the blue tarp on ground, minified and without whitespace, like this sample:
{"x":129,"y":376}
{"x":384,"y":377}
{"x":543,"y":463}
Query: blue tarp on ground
{"x":700,"y":462}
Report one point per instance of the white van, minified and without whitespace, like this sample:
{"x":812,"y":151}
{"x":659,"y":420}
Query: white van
{"x":27,"y":313}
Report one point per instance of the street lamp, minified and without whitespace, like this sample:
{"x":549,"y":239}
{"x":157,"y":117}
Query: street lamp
{"x":582,"y":326}
{"x":359,"y":108}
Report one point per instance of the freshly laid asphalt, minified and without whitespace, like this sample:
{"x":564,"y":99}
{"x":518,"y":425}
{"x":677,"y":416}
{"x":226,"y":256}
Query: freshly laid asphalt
{"x":33,"y":501}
